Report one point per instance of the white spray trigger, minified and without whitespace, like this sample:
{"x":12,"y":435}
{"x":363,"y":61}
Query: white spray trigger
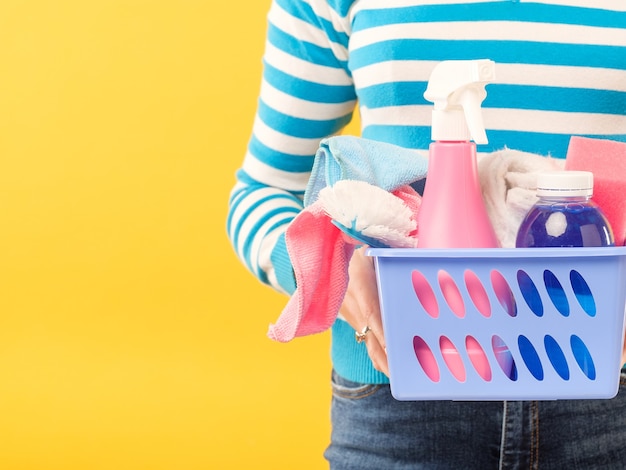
{"x":470,"y":99}
{"x":457,"y":89}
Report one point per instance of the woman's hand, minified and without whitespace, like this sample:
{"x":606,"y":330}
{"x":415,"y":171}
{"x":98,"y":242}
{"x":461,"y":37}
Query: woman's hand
{"x":360,"y":307}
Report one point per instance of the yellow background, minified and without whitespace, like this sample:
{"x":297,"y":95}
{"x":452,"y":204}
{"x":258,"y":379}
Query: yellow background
{"x":130,"y":336}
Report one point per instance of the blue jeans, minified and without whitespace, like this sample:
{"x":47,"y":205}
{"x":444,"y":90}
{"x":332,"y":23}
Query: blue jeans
{"x":371,"y":430}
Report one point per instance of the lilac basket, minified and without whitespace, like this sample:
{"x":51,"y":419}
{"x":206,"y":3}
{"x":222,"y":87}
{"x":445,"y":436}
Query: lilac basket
{"x":503,"y":324}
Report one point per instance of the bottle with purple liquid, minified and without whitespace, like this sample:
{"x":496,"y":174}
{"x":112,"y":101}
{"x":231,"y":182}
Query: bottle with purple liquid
{"x":565,"y":215}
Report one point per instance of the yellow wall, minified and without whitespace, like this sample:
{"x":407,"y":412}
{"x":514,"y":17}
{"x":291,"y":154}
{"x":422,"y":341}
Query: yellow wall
{"x":130,"y":336}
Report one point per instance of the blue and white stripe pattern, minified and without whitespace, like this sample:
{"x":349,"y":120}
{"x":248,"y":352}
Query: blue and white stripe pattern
{"x":561,"y":71}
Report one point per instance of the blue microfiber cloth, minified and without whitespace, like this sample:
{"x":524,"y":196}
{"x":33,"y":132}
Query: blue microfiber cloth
{"x":345,"y":157}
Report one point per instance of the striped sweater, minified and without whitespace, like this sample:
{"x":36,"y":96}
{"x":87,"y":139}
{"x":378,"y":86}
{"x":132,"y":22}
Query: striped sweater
{"x":561,"y":71}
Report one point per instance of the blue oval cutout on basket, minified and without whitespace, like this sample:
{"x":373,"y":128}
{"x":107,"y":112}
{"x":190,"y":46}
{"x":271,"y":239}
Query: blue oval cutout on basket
{"x":530,"y":356}
{"x":583,"y":293}
{"x":530,"y":293}
{"x":583,"y":357}
{"x":556,"y":356}
{"x":556,"y":292}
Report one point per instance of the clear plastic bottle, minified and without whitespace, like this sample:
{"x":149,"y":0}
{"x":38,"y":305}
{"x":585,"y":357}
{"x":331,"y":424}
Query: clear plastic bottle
{"x":565,"y":215}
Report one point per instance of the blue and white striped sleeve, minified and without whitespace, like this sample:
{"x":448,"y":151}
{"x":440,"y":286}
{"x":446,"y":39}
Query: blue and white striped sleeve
{"x":306,"y":95}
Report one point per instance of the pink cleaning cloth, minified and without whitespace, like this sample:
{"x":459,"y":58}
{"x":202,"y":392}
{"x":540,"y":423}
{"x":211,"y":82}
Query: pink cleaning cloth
{"x":606,"y":159}
{"x":320,"y":254}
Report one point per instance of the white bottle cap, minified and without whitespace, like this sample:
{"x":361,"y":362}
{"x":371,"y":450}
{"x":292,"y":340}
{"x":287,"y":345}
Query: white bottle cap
{"x":449,"y":125}
{"x":565,"y":183}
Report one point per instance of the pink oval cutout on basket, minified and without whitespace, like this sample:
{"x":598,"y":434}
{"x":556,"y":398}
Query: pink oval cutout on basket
{"x":452,"y":358}
{"x":477,"y":293}
{"x":426,"y":358}
{"x":425,"y":293}
{"x":451,"y":293}
{"x":503,"y":293}
{"x":478,"y":358}
{"x":504,"y":357}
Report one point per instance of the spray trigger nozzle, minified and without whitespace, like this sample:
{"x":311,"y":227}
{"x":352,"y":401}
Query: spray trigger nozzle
{"x":457,"y":89}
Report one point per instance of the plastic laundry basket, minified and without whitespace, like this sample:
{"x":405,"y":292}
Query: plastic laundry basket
{"x":503,"y":324}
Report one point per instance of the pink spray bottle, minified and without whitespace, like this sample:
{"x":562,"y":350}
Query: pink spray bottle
{"x":453,"y":213}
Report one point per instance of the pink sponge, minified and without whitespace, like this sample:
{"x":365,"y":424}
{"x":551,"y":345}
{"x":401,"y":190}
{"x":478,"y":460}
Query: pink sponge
{"x":606,"y":159}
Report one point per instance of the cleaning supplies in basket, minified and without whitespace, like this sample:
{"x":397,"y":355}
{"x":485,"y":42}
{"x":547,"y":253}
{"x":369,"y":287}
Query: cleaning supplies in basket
{"x":320,"y":254}
{"x":606,"y":159}
{"x":370,"y":215}
{"x":508,"y":179}
{"x":453,"y":213}
{"x":319,"y":251}
{"x":347,"y":157}
{"x":565,"y":215}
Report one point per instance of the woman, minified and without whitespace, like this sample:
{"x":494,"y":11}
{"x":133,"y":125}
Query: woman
{"x":561,"y":72}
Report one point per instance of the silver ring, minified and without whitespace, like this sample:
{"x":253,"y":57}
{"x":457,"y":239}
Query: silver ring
{"x":360,"y":337}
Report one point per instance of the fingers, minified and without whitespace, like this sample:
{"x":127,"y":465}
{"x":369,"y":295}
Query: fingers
{"x":377,"y":353}
{"x":361,"y":307}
